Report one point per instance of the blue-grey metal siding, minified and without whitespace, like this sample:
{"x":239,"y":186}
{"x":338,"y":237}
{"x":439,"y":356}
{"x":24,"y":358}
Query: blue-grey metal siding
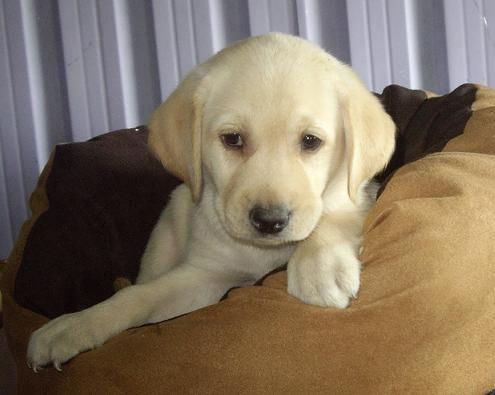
{"x":72,"y":69}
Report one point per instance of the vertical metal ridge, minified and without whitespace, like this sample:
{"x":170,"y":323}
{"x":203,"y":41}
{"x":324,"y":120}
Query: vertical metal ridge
{"x":86,"y":133}
{"x":481,"y":9}
{"x":8,"y":118}
{"x":489,"y":27}
{"x":369,"y":44}
{"x":7,"y":235}
{"x":92,"y":66}
{"x":19,"y":163}
{"x":379,"y":44}
{"x":166,"y":46}
{"x":6,"y":220}
{"x":283,"y":16}
{"x":412,"y":43}
{"x":137,"y":59}
{"x":105,"y":119}
{"x":305,"y":11}
{"x":186,"y":51}
{"x":74,"y":66}
{"x":398,"y":42}
{"x":145,"y":61}
{"x":464,"y":40}
{"x":388,"y":40}
{"x":359,"y":41}
{"x":456,"y":42}
{"x":217,"y":25}
{"x":126,"y":61}
{"x":228,"y":21}
{"x":259,"y":17}
{"x":36,"y":81}
{"x":475,"y":40}
{"x":325,"y":23}
{"x":23,"y":139}
{"x":203,"y":28}
{"x":110,"y":65}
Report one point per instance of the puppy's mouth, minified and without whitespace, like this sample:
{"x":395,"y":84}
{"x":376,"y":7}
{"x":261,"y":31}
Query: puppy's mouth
{"x":255,"y":239}
{"x":269,"y":241}
{"x":264,"y":235}
{"x":266,"y":225}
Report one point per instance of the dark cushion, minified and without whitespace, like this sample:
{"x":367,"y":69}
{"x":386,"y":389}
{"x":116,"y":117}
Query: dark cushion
{"x":104,"y":197}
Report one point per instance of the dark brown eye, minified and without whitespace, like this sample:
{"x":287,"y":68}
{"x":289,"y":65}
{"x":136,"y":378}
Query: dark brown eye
{"x":232,"y":140}
{"x":310,"y":142}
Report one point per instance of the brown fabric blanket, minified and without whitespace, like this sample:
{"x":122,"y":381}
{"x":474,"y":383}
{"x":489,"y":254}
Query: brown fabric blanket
{"x":422,"y":322}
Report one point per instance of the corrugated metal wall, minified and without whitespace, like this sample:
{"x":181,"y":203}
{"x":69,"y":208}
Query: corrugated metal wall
{"x":72,"y":69}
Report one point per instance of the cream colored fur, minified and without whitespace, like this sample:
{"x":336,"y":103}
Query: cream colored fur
{"x":273,"y":90}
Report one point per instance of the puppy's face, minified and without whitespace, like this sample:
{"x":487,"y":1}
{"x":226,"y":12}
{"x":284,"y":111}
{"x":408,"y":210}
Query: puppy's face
{"x":271,"y":139}
{"x":272,"y":129}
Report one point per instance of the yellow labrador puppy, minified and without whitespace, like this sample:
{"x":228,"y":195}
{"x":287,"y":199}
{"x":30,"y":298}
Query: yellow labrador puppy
{"x":276,"y":141}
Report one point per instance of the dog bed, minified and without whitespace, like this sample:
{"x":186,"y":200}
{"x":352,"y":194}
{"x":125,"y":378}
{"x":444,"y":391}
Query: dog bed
{"x":423,"y":322}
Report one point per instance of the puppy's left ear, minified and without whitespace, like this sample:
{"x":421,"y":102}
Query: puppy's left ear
{"x":369,"y":132}
{"x":175,"y":130}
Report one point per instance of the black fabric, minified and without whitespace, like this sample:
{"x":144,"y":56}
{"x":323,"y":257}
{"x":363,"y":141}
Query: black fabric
{"x":105,"y":196}
{"x":424,"y":125}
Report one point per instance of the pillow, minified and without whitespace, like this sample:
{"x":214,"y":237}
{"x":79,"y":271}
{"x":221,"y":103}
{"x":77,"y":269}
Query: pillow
{"x":101,"y":200}
{"x":422,"y":322}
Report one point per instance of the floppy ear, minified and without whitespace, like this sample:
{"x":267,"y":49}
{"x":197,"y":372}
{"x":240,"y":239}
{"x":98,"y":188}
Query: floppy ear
{"x":369,"y":132}
{"x":175,"y":131}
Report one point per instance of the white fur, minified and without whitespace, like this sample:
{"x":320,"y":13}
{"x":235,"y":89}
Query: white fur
{"x":272,"y":89}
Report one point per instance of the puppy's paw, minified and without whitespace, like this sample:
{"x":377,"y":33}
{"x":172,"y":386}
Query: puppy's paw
{"x":326,"y":276}
{"x":60,"y":340}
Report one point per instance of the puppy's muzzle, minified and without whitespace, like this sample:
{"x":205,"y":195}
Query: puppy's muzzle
{"x":269,"y":220}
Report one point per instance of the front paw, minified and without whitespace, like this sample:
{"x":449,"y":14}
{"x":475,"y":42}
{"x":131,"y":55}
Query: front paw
{"x":325,"y":276}
{"x":60,"y":340}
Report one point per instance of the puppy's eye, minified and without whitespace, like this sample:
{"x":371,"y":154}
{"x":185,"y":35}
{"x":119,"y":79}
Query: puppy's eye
{"x":310,"y":142}
{"x":232,"y":140}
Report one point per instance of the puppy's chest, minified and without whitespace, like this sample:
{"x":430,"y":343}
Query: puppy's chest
{"x":247,"y":263}
{"x":210,"y":243}
{"x":256,"y":262}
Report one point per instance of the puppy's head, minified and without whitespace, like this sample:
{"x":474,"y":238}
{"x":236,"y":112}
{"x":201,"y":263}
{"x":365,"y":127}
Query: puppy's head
{"x":269,"y":128}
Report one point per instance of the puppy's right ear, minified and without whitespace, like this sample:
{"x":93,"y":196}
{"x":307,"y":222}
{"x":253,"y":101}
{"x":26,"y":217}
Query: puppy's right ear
{"x":175,"y":130}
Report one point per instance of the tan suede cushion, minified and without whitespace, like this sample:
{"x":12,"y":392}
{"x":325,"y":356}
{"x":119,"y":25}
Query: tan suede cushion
{"x":423,"y":322}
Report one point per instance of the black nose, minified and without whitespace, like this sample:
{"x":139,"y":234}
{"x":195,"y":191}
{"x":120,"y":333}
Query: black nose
{"x":269,"y":220}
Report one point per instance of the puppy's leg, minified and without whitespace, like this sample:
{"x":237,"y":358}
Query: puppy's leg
{"x":168,"y":239}
{"x":185,"y":288}
{"x":324,"y":270}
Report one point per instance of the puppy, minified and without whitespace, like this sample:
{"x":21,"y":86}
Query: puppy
{"x":276,"y":141}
